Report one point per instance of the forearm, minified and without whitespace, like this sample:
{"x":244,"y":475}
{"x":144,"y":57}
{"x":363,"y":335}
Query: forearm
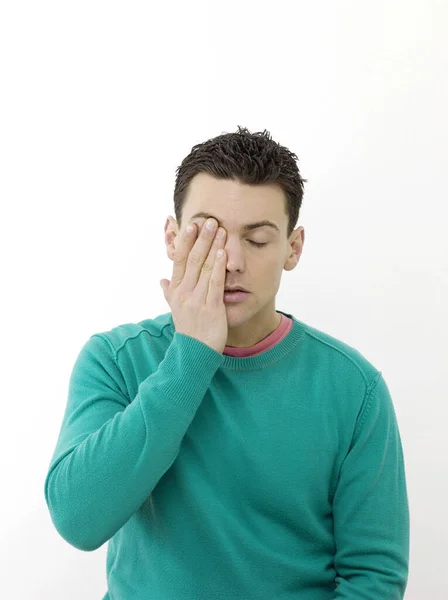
{"x":97,"y":484}
{"x":371,"y":509}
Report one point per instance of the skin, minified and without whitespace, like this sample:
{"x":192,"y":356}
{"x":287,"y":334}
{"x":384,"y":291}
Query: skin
{"x":258,"y":269}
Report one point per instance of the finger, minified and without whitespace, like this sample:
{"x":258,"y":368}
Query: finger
{"x":186,"y":243}
{"x":203,"y":285}
{"x":215,"y":294}
{"x":199,"y":260}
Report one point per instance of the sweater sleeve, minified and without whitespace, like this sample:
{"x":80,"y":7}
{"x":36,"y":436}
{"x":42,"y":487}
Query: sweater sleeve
{"x":111,"y":452}
{"x":370,"y":506}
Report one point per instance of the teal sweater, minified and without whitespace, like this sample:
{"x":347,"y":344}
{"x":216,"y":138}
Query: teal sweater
{"x":274,"y":476}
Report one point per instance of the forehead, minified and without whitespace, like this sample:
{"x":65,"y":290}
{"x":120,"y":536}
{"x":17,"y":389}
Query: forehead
{"x":245,"y":227}
{"x":221,"y":198}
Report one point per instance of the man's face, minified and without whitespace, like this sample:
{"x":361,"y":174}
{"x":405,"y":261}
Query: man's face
{"x":256,"y":268}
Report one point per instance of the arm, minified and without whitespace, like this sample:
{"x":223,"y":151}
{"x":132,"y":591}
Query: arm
{"x":370,"y":506}
{"x":111,"y":452}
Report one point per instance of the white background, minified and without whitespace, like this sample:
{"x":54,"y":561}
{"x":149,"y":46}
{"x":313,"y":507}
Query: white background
{"x":101,"y":101}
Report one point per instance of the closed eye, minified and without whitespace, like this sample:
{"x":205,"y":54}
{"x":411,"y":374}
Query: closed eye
{"x":258,"y":244}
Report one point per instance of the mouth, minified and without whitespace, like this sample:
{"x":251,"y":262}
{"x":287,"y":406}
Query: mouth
{"x":235,"y":295}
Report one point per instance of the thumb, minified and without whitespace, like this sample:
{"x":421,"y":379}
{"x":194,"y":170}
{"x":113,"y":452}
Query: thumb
{"x":163,"y":284}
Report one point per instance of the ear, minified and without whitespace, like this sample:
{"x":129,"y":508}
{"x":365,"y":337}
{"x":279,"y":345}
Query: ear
{"x":171,"y":236}
{"x":294,"y":249}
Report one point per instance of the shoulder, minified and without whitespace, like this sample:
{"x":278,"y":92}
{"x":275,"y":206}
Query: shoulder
{"x":339,"y":356}
{"x":120,"y":336}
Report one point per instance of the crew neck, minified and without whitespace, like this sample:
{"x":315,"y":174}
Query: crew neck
{"x":266,"y":358}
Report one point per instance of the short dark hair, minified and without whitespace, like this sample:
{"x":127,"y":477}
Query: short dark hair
{"x":251,"y":158}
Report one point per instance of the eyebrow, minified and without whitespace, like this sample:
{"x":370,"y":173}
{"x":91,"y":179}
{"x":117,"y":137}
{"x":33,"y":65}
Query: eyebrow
{"x":248,"y":227}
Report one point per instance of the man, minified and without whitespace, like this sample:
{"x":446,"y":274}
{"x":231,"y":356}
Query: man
{"x":227,"y":450}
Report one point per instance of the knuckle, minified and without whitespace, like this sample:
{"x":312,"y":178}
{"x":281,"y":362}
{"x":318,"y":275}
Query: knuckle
{"x":207,"y":267}
{"x":182,"y":298}
{"x":194,"y":258}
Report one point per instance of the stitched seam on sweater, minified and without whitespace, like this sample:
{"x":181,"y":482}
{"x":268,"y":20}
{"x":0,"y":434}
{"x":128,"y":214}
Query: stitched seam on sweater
{"x":133,"y":337}
{"x":367,"y":403}
{"x":368,"y":406}
{"x":314,"y":336}
{"x":106,"y":339}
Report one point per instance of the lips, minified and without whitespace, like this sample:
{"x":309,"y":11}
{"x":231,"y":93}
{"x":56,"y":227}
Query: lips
{"x":239,"y":289}
{"x":235,"y":297}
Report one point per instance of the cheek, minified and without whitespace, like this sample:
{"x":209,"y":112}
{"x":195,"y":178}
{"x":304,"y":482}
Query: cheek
{"x":270,"y":270}
{"x":271,"y":262}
